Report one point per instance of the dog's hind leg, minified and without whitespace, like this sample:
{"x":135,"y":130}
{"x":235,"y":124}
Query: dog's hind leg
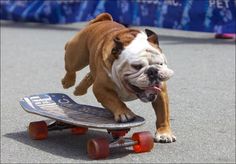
{"x":76,"y":58}
{"x":83,"y":86}
{"x":69,"y":79}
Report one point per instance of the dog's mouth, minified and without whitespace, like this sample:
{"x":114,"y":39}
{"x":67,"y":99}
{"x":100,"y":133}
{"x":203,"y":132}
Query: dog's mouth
{"x":145,"y":94}
{"x":154,"y":88}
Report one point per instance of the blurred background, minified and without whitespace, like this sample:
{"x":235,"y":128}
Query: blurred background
{"x":217,"y":16}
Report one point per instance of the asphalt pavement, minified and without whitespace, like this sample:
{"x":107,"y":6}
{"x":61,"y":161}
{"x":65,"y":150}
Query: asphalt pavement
{"x":202,"y":98}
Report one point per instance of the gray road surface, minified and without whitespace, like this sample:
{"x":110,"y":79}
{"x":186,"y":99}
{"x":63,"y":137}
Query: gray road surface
{"x":202,"y":98}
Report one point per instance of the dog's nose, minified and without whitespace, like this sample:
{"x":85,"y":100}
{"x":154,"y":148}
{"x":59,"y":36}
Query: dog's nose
{"x":152,"y":73}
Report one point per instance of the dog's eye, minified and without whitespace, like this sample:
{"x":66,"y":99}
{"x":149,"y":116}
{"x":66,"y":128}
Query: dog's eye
{"x":160,"y":63}
{"x":137,"y":66}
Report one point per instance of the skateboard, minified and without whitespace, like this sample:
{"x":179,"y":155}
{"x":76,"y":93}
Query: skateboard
{"x":67,"y":114}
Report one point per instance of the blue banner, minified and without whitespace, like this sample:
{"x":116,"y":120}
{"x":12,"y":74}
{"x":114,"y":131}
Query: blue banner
{"x":194,"y":15}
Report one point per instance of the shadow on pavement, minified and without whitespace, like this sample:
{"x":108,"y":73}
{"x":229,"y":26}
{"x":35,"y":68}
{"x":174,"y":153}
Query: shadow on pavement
{"x":66,"y":144}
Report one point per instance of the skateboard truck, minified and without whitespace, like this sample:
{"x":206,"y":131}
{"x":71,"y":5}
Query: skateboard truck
{"x":119,"y":140}
{"x":118,"y":133}
{"x":57,"y":125}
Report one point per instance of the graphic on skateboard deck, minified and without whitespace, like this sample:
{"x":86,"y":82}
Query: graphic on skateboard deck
{"x":67,"y":114}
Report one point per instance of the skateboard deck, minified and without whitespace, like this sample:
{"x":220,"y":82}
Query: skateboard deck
{"x":67,"y":114}
{"x":61,"y":107}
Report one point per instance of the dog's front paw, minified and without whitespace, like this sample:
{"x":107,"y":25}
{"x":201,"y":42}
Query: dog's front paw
{"x":124,"y":116}
{"x":166,"y":137}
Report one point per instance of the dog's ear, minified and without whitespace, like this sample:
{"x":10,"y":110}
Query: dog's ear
{"x":152,"y":36}
{"x":116,"y":50}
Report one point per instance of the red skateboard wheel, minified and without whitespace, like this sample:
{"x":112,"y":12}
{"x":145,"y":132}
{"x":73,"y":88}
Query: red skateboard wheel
{"x":98,"y":148}
{"x":38,"y":130}
{"x":79,"y":130}
{"x":145,"y":142}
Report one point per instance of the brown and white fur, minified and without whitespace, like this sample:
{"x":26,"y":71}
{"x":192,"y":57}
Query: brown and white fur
{"x":125,"y":64}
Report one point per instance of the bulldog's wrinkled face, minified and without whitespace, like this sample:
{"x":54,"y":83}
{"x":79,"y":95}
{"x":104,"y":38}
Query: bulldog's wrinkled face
{"x":140,"y":69}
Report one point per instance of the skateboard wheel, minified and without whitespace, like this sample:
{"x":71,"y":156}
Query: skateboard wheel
{"x":145,"y":142}
{"x":98,"y":148}
{"x":79,"y":130}
{"x":38,"y":130}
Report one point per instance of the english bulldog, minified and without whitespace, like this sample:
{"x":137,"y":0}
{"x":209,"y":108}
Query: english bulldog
{"x":125,"y":64}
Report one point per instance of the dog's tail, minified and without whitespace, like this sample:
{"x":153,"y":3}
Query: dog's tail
{"x":66,"y":45}
{"x":101,"y":17}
